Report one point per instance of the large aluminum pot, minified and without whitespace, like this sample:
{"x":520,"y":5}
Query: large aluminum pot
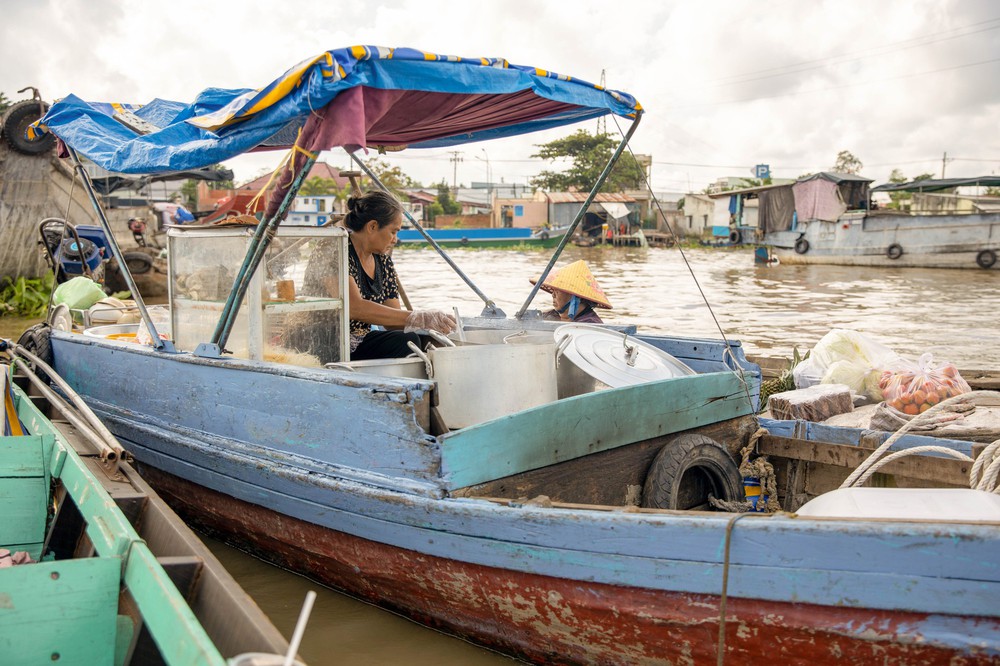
{"x":478,"y":383}
{"x":412,"y":368}
{"x":497,"y":336}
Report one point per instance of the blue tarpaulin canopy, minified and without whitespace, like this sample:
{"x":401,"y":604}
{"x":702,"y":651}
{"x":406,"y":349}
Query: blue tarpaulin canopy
{"x":363,"y":95}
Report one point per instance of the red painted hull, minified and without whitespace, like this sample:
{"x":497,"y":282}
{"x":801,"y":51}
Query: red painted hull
{"x":553,"y":620}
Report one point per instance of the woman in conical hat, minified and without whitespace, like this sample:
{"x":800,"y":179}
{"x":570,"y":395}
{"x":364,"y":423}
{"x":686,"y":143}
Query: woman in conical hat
{"x":575,"y":294}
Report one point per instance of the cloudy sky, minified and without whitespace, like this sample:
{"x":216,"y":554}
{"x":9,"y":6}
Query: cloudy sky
{"x":726,"y":84}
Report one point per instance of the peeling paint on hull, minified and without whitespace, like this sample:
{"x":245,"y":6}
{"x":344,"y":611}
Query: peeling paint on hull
{"x":546,"y":619}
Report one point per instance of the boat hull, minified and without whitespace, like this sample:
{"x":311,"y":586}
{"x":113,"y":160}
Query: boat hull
{"x":518,"y":237}
{"x":547,"y":619}
{"x":303,"y":482}
{"x":893,"y":240}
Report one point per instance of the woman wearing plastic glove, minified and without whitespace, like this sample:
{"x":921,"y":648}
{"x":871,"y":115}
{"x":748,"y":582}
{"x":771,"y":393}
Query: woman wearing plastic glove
{"x":374,"y":219}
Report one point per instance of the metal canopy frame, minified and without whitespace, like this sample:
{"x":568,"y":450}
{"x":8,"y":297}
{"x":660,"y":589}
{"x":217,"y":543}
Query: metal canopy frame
{"x":265,"y":231}
{"x":579,"y":216}
{"x":158,"y":343}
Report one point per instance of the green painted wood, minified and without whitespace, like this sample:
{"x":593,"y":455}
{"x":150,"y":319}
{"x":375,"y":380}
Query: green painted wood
{"x":586,"y":424}
{"x":175,"y":629}
{"x":123,"y":639}
{"x":66,"y":608}
{"x":181,"y":638}
{"x":21,"y":456}
{"x":24,"y":492}
{"x":24,"y":512}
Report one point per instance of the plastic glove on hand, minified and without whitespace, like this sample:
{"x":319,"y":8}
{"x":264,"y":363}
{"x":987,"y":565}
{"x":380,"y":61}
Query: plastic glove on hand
{"x":429,"y":320}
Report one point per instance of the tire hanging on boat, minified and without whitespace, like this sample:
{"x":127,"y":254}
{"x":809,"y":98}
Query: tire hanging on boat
{"x":894,"y":251}
{"x":986,"y":258}
{"x":687,"y":470}
{"x":801,"y":246}
{"x":735,"y":237}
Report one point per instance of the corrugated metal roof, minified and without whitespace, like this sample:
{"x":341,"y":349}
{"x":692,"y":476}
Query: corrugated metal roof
{"x":580,"y":197}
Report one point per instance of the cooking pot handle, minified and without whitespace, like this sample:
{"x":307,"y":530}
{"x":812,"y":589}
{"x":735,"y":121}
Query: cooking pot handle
{"x":561,"y":347}
{"x":426,"y":359}
{"x":507,"y":338}
{"x":440,"y":337}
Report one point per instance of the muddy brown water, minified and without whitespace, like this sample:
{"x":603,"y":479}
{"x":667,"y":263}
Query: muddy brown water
{"x":954,"y":315}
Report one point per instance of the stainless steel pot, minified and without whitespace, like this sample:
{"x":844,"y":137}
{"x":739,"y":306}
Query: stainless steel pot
{"x":413,"y":368}
{"x":478,"y":383}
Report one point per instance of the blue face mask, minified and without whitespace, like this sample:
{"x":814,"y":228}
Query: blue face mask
{"x":573,"y":306}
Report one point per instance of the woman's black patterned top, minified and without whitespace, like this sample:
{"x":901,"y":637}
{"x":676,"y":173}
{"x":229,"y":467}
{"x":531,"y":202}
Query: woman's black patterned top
{"x":378,"y":289}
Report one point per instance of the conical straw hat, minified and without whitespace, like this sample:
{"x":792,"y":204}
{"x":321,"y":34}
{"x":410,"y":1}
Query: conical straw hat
{"x":576,"y":279}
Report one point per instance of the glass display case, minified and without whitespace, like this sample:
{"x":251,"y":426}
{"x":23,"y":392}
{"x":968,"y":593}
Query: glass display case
{"x":295,"y":310}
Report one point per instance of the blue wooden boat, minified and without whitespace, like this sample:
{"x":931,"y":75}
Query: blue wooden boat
{"x":108,"y":573}
{"x":486,"y":237}
{"x":574,"y":528}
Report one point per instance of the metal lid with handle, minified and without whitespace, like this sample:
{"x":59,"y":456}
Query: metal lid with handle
{"x":614,"y":358}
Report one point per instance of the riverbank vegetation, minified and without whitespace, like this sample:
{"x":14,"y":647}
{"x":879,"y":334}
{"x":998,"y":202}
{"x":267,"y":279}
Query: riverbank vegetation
{"x":25,"y":297}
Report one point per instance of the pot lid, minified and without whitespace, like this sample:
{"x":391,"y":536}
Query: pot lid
{"x":614,"y":358}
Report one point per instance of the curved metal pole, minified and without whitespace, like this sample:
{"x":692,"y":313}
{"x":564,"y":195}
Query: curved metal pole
{"x":491,"y":309}
{"x":158,"y":343}
{"x":579,"y":216}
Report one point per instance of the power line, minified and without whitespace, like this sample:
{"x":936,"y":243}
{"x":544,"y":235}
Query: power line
{"x":846,"y":85}
{"x":851,"y":57}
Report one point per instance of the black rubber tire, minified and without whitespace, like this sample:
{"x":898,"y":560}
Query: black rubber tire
{"x":36,"y":340}
{"x":687,"y":470}
{"x":16,"y":121}
{"x":894,"y":251}
{"x":464,"y":241}
{"x":801,"y":246}
{"x":986,"y":259}
{"x":544,"y":235}
{"x":735,"y":237}
{"x":138,"y":263}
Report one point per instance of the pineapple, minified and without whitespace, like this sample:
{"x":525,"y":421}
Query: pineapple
{"x":785,"y":382}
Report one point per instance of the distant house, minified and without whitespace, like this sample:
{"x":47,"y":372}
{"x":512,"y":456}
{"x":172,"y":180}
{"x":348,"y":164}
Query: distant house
{"x":315,"y":210}
{"x":235,"y":201}
{"x":698,"y":213}
{"x":418,"y":203}
{"x":607,"y":208}
{"x":520,"y":208}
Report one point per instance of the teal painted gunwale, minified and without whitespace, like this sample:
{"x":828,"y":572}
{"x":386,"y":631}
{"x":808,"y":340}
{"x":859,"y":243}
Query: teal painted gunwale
{"x":601,"y":421}
{"x":175,"y":629}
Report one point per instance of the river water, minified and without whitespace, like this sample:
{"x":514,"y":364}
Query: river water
{"x":952,"y":314}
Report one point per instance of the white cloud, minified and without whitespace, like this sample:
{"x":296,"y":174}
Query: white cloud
{"x":726,"y":84}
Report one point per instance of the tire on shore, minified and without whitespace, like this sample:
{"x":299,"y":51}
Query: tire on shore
{"x":16,"y":121}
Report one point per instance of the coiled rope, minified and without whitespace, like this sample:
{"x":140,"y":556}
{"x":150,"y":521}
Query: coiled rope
{"x":985,"y":469}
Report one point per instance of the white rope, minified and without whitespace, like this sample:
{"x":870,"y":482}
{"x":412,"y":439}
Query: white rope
{"x":990,"y":459}
{"x":899,"y":454}
{"x":979,"y":479}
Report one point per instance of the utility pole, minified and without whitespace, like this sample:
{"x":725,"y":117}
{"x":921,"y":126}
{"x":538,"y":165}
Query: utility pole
{"x":455,"y":159}
{"x":944,"y":163}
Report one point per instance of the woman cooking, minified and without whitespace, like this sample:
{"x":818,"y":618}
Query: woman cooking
{"x":374,"y":219}
{"x":575,"y":294}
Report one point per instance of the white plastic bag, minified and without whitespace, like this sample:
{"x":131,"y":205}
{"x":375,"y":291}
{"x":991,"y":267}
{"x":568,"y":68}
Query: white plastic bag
{"x":847,"y":357}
